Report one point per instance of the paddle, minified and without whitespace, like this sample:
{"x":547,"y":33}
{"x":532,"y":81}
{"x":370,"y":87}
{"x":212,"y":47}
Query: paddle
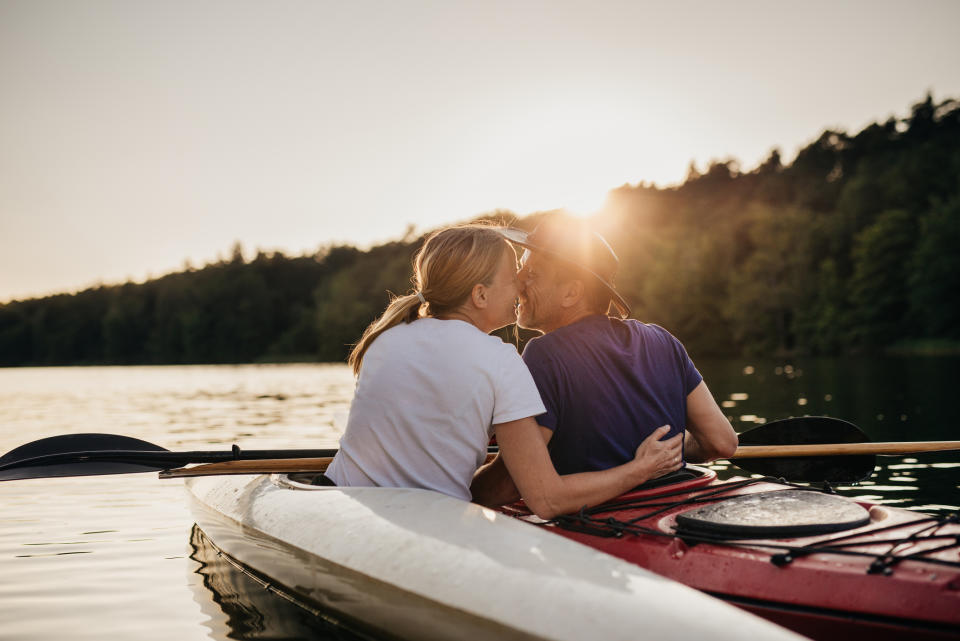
{"x":94,"y":454}
{"x":819,"y":448}
{"x":830,"y":466}
{"x":803,"y":449}
{"x":806,"y":449}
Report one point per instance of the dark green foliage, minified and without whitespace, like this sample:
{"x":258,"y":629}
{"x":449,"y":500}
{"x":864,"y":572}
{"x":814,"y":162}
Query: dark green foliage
{"x":935,"y":271}
{"x":228,"y":312}
{"x":356,"y":295}
{"x":852,"y":246}
{"x":878,"y":287}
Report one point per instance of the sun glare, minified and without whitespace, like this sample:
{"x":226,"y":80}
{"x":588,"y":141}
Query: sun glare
{"x":569,"y":158}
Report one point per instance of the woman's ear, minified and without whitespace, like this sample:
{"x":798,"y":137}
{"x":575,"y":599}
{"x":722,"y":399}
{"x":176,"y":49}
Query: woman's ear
{"x":479,"y":295}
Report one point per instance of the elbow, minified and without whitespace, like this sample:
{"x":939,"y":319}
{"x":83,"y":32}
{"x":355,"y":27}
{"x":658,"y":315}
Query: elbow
{"x":715,"y":448}
{"x":729,"y":448}
{"x":543,"y":508}
{"x":726,"y":447}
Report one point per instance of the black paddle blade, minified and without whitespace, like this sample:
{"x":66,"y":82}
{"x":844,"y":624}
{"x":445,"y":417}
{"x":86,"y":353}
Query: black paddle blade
{"x":95,"y":454}
{"x":808,"y":430}
{"x":15,"y":464}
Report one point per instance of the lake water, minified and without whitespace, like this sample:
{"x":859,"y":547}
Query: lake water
{"x":117,"y":557}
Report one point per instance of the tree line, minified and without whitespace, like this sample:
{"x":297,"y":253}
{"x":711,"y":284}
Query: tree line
{"x":851,"y":247}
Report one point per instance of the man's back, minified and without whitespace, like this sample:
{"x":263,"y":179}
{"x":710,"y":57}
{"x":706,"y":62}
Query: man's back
{"x":608,"y":384}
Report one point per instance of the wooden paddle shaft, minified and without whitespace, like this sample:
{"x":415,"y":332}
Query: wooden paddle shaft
{"x":292,"y":465}
{"x":261,"y":466}
{"x":258,"y":466}
{"x":840,"y":449}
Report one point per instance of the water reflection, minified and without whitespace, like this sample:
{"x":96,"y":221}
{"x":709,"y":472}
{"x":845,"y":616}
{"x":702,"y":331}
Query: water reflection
{"x":123,"y":539}
{"x":890,"y":399}
{"x":241,"y":605}
{"x":931,"y":487}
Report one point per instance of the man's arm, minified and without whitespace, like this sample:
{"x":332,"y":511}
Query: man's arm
{"x":709,"y":433}
{"x":492,"y":485}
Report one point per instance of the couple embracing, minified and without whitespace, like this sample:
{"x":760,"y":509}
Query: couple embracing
{"x":596,"y":406}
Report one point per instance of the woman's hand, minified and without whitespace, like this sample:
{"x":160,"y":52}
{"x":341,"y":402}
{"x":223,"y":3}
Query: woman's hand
{"x":660,"y":457}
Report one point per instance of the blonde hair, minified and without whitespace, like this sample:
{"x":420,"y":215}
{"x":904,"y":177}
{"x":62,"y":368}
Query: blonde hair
{"x":445,"y":270}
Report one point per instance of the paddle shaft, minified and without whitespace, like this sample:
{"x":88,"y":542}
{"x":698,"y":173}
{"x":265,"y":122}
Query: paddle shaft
{"x":160,"y":458}
{"x":841,"y":449}
{"x":263,"y":466}
{"x":287,"y":466}
{"x":91,"y":454}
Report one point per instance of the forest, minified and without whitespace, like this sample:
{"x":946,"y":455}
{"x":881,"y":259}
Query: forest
{"x":850,"y":248}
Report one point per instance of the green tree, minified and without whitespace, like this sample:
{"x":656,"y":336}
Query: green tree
{"x":823,"y":322}
{"x":354,"y":296}
{"x":934,"y":277}
{"x":878,"y":288}
{"x":774,"y":281}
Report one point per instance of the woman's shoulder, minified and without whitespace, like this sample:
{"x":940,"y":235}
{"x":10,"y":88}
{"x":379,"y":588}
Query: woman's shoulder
{"x":454,"y":333}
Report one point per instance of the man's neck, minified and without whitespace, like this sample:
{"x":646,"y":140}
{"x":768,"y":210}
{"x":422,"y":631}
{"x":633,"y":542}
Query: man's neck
{"x":568,"y":318}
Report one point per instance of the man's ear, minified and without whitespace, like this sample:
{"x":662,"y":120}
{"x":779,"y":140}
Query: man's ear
{"x":571,"y":292}
{"x":479,"y":296}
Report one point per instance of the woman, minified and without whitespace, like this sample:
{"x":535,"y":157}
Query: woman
{"x":433,"y":387}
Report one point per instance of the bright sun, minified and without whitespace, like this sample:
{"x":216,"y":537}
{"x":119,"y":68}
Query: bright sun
{"x":569,"y":158}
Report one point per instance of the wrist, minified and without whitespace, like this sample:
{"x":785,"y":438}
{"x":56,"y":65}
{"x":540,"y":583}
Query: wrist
{"x":640,"y":472}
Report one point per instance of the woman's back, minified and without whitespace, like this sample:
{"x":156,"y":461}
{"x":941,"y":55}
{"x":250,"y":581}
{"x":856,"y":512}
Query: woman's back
{"x":427,"y":397}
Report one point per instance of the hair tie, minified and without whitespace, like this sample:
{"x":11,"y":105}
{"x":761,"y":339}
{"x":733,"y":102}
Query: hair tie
{"x":423,"y":301}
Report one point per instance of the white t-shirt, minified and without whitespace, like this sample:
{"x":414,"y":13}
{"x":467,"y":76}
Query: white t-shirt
{"x":427,"y":397}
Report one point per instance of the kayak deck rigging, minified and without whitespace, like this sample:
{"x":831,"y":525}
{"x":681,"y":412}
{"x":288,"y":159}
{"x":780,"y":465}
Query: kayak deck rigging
{"x":921,"y":530}
{"x":896,"y":574}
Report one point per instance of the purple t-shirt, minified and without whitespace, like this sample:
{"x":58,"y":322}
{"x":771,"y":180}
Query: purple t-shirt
{"x":607,"y":385}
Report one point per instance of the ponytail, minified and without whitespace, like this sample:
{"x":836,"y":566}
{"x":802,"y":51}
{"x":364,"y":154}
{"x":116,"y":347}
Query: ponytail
{"x":445,"y":270}
{"x":402,"y":309}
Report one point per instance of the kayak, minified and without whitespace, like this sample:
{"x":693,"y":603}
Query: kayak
{"x":390,"y":559}
{"x":415,"y":564}
{"x":825,"y":566}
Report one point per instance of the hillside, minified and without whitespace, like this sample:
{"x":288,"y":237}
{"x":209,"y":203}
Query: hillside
{"x":850,"y":247}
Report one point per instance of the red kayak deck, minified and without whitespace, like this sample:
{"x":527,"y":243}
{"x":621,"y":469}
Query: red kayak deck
{"x":896,"y":577}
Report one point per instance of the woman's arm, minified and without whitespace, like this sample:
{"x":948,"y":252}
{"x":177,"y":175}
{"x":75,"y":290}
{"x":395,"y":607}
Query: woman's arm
{"x":492,"y":485}
{"x":548,"y":494}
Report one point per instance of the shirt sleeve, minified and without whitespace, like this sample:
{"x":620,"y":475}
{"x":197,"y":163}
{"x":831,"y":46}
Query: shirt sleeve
{"x":691,"y":376}
{"x":516,"y":394}
{"x":547,"y":378}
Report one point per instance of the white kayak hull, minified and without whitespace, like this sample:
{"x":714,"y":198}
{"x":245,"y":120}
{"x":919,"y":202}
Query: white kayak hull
{"x":415,"y":564}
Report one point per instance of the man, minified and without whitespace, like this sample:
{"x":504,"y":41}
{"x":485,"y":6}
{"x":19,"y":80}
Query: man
{"x":607,"y":383}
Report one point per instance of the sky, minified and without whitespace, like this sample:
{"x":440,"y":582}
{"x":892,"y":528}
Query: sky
{"x":137,"y":137}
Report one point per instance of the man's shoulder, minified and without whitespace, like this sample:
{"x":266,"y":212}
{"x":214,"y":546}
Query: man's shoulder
{"x":594,"y":331}
{"x":564,"y":340}
{"x":539,"y":347}
{"x":652,"y":329}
